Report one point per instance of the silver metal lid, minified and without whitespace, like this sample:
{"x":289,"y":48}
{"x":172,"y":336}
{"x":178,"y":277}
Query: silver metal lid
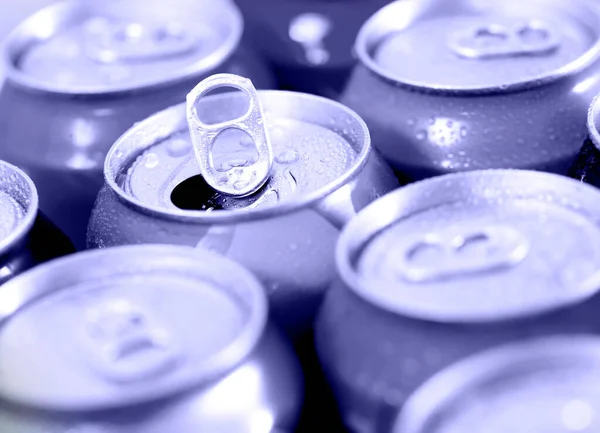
{"x":543,"y":385}
{"x":477,"y":246}
{"x":110,"y":46}
{"x":18,"y":205}
{"x":119,"y":326}
{"x":319,"y":146}
{"x":480,"y":45}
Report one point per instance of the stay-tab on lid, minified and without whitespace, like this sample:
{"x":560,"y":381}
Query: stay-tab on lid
{"x":480,"y":45}
{"x":543,"y":385}
{"x":120,"y":326}
{"x":18,"y":205}
{"x":476,"y":246}
{"x":108,"y":46}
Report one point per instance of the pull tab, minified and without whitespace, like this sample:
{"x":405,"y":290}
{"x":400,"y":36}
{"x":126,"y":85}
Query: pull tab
{"x":309,"y":30}
{"x":125,"y":345}
{"x":108,"y":42}
{"x":496,"y":41}
{"x":238,"y":181}
{"x":460,"y":252}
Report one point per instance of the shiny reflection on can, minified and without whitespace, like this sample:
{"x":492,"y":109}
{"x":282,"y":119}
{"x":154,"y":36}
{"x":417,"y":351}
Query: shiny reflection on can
{"x":542,"y":385}
{"x":458,"y":85}
{"x":447,"y":267}
{"x":27,"y":237}
{"x":324,"y":172}
{"x":150,"y":339}
{"x":79,"y":74}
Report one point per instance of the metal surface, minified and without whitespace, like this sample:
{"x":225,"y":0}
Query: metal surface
{"x":286,"y":233}
{"x":501,"y":68}
{"x":60,"y":131}
{"x":151,"y":336}
{"x":308,"y":43}
{"x":237,"y":181}
{"x":540,"y":385}
{"x":27,"y":238}
{"x":450,"y":266}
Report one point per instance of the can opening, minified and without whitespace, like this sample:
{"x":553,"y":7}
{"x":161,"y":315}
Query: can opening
{"x":195,"y":194}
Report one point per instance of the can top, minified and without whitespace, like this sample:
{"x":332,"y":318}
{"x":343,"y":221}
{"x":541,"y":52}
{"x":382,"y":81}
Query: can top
{"x":543,"y":385}
{"x":125,"y":325}
{"x":113,"y":46}
{"x":319,"y":147}
{"x":480,"y":45}
{"x":18,"y":205}
{"x":476,"y":246}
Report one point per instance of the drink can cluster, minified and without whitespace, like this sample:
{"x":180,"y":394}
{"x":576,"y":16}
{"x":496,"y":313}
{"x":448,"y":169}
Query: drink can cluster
{"x":292,"y":216}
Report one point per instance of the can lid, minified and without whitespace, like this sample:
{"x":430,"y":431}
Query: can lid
{"x":542,"y":385}
{"x":319,"y":147}
{"x":480,"y":45}
{"x":18,"y":205}
{"x":125,"y":325}
{"x":114,"y":46}
{"x":476,"y":246}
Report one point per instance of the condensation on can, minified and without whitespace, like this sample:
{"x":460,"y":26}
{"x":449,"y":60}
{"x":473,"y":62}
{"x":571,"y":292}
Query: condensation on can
{"x":545,"y":384}
{"x":324,"y":172}
{"x":79,"y":74}
{"x":149,"y":338}
{"x":27,"y":237}
{"x":448,"y":86}
{"x":450,"y":266}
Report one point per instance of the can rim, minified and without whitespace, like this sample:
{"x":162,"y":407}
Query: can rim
{"x":593,"y":121}
{"x":234,"y":216}
{"x":446,"y":386}
{"x":396,"y":205}
{"x":25,"y":225}
{"x":17,"y":41}
{"x":370,"y":34}
{"x":25,"y":289}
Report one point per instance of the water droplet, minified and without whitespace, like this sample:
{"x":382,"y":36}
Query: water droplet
{"x":178,"y":147}
{"x":151,"y":160}
{"x":288,"y":156}
{"x":233,"y":163}
{"x":421,"y":135}
{"x":240,"y":184}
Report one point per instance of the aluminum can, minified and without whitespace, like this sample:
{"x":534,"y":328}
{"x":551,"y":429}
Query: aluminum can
{"x":586,"y":167}
{"x":79,"y":74}
{"x":324,"y":172}
{"x":27,"y":236}
{"x":450,"y":266}
{"x":492,"y":84}
{"x":149,"y":339}
{"x":545,"y":384}
{"x":308,"y":43}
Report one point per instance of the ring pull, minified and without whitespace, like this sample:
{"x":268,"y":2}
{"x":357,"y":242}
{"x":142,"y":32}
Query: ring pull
{"x":492,"y":41}
{"x":109,"y":42}
{"x":237,"y":181}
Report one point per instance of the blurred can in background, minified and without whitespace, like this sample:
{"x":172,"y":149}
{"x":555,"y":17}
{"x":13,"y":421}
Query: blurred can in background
{"x":79,"y":74}
{"x":450,"y":266}
{"x":151,"y":339}
{"x":457,"y":85}
{"x":27,"y":237}
{"x":546,"y":384}
{"x":309,"y":43}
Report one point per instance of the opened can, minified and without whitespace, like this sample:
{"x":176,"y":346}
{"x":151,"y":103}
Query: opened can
{"x":27,"y":236}
{"x":450,"y":266}
{"x":541,"y":385}
{"x":324,"y":171}
{"x":79,"y":74}
{"x":308,"y":43}
{"x":150,"y":339}
{"x":448,"y":86}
